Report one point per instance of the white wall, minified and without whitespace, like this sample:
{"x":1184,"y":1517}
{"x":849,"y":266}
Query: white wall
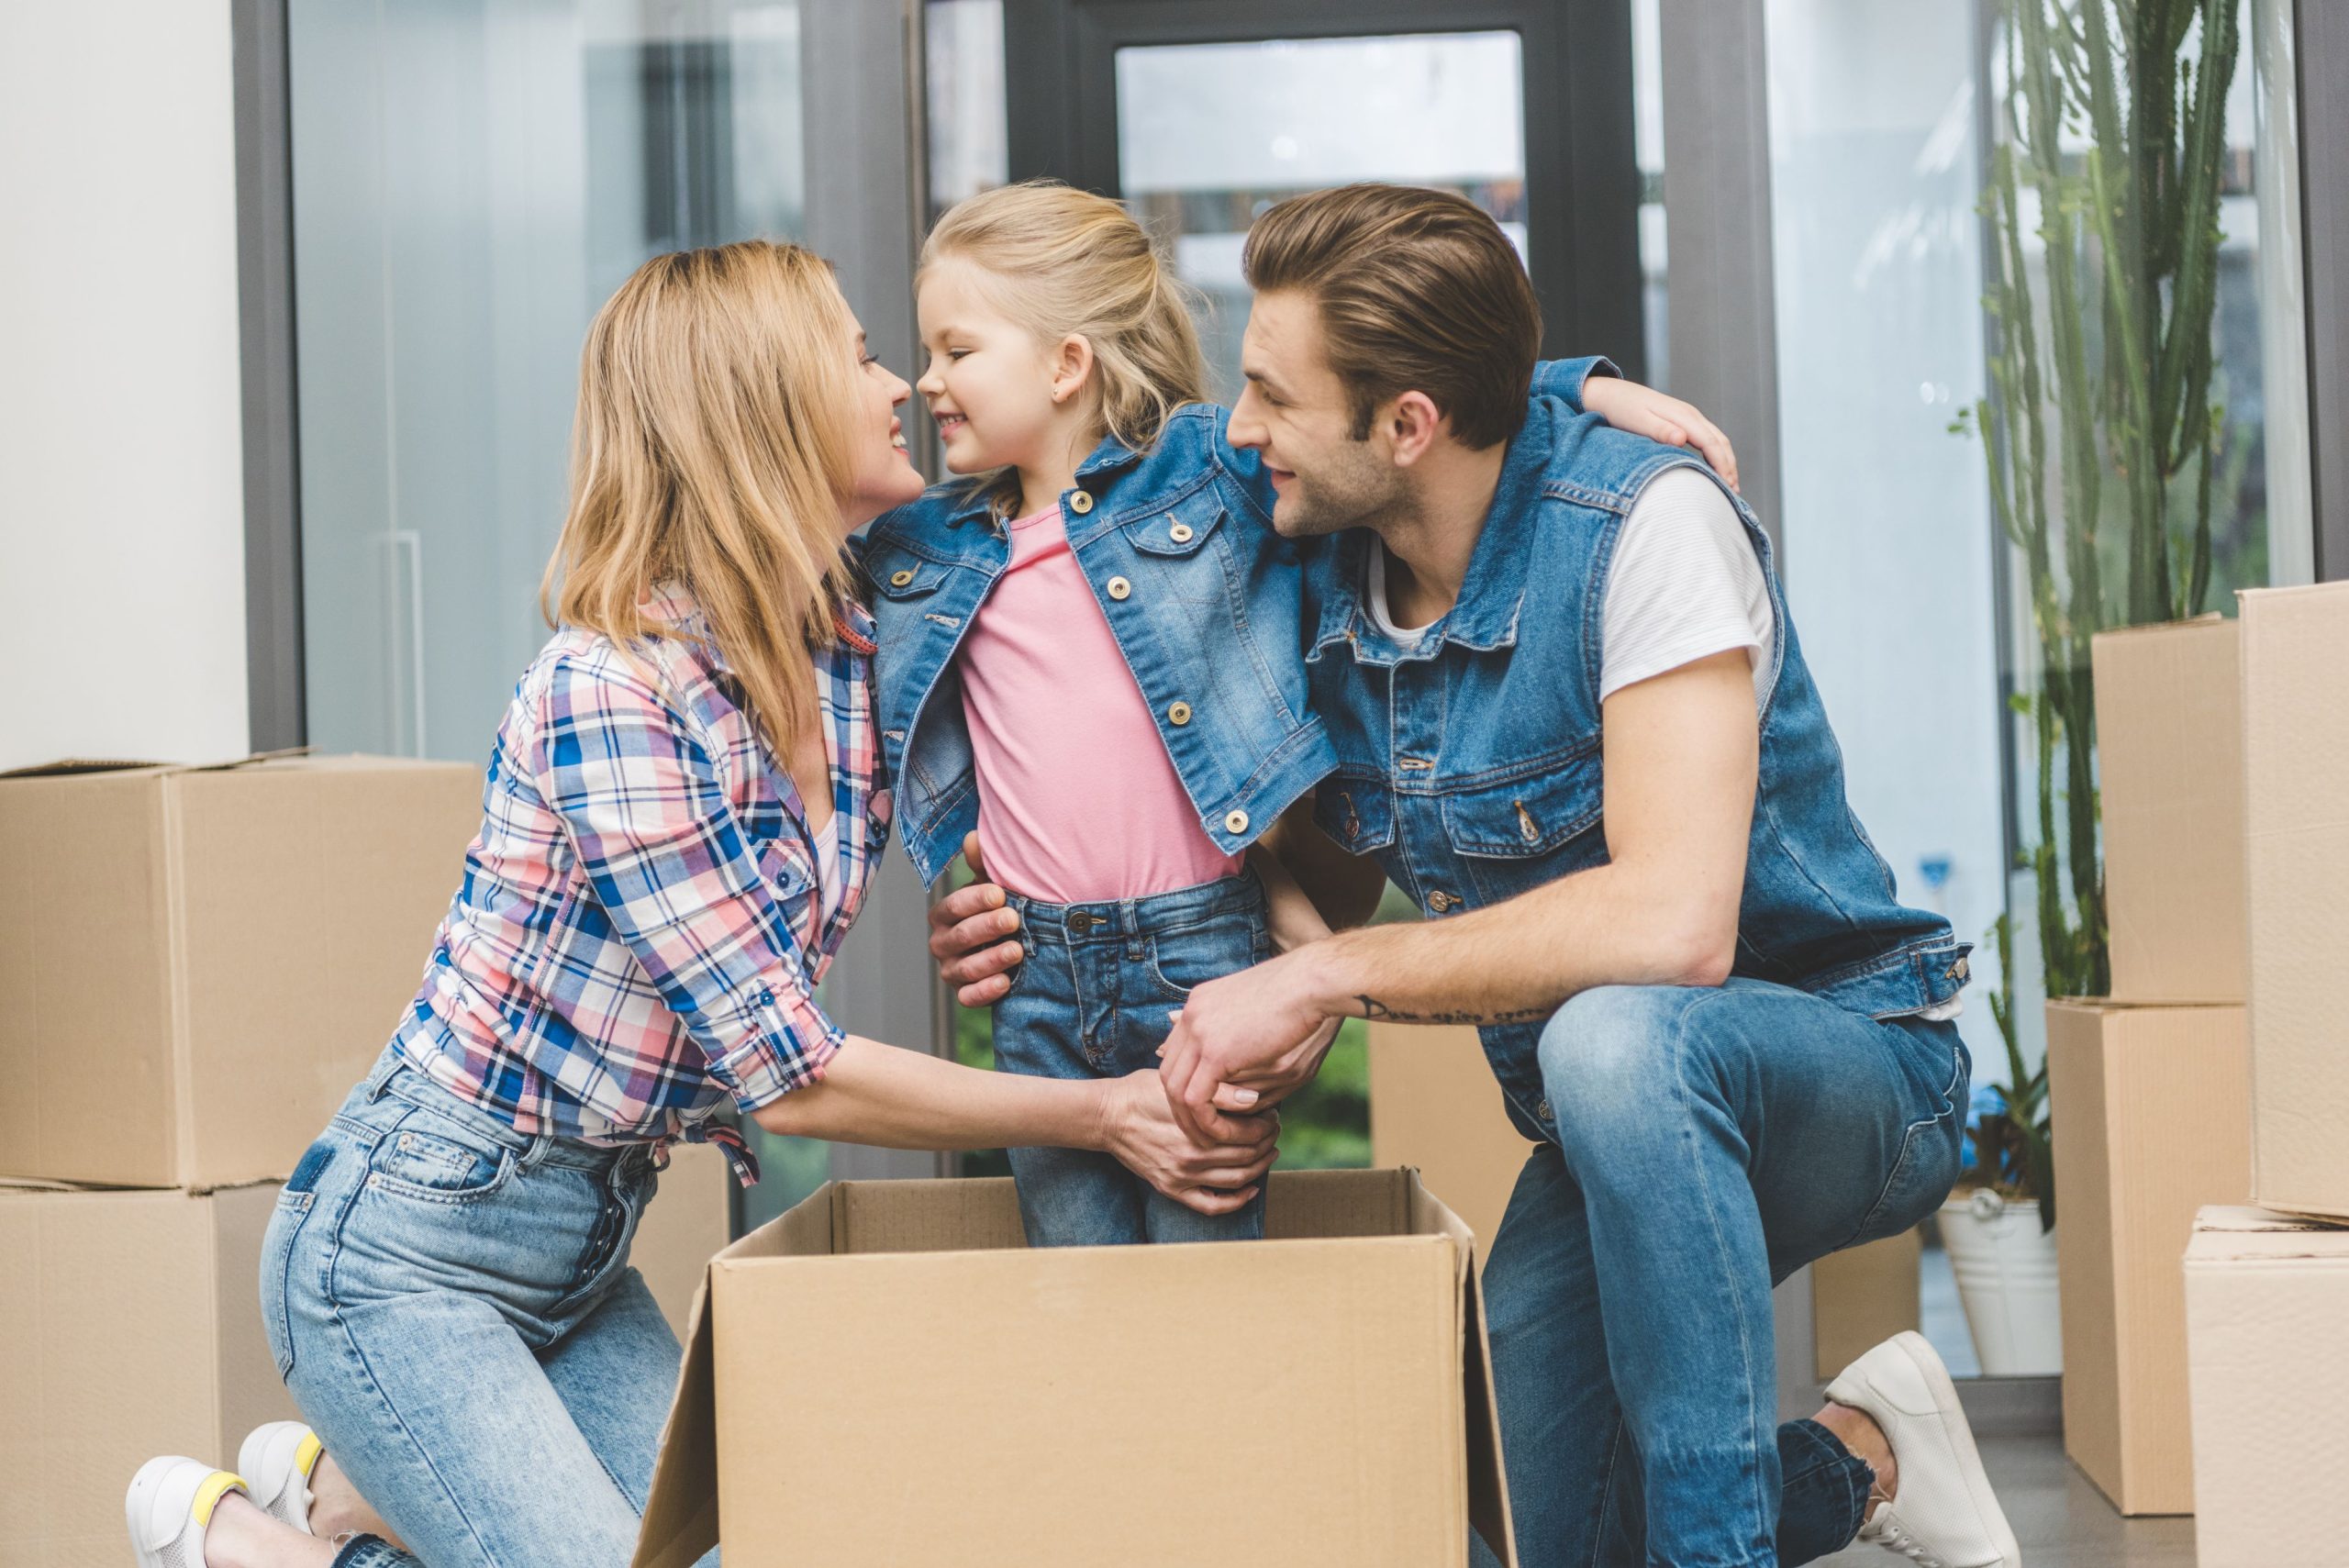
{"x":121,"y":493}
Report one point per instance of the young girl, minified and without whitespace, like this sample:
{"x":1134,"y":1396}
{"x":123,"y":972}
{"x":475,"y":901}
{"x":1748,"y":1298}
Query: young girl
{"x":1090,"y":658}
{"x":680,"y":815}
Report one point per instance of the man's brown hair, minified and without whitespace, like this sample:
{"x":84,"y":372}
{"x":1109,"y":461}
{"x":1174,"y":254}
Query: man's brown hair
{"x":1419,"y":291}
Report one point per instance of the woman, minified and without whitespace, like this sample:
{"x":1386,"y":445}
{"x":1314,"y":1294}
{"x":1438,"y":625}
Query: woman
{"x":680,"y":815}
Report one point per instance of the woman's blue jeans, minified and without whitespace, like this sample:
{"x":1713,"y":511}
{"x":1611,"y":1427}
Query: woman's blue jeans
{"x":451,"y":1304}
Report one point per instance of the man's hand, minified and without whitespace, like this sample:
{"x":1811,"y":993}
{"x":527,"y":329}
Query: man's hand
{"x":1644,"y":411}
{"x":1250,"y":1038}
{"x":967,"y":929}
{"x":1215,"y":1176}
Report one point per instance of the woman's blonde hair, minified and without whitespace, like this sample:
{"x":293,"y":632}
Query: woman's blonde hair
{"x":712,"y":449}
{"x":1074,"y":264}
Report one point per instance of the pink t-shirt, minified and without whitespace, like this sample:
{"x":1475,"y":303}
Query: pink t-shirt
{"x":1078,"y":801}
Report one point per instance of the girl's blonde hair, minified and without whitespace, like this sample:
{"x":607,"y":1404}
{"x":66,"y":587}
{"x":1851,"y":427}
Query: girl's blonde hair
{"x":712,"y":447}
{"x":1074,"y":264}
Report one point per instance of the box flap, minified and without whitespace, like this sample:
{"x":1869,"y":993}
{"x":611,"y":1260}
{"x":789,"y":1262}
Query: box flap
{"x":681,"y":1511}
{"x":67,"y":766}
{"x":2237,"y":1233}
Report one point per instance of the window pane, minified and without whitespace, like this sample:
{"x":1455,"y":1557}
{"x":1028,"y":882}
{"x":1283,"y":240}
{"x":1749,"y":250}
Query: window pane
{"x":472,"y":179}
{"x":1210,"y":135}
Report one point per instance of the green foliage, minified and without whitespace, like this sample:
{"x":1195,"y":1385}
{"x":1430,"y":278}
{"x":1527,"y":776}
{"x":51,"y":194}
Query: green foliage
{"x":2014,"y":1146}
{"x":1323,"y":1127}
{"x":2104,"y":441}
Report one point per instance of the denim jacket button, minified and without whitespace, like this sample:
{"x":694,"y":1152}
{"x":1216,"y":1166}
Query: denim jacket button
{"x":1080,"y":502}
{"x":1180,"y":714}
{"x":899,"y":578}
{"x":1118,"y":586}
{"x":1439,"y":901}
{"x":1180,"y":533}
{"x":1237,"y":822}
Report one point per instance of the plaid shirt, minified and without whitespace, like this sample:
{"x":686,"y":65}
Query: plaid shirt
{"x":642,"y":922}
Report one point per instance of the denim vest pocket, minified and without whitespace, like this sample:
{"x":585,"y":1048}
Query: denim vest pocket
{"x":1356,"y":813}
{"x":414,"y":1163}
{"x":1525,"y":817}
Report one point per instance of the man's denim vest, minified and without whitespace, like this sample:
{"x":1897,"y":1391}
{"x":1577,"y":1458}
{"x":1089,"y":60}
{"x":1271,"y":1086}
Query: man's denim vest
{"x":1470,"y":766}
{"x":1202,"y":595}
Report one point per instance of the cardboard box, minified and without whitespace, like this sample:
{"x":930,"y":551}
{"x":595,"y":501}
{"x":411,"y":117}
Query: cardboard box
{"x":200,"y":962}
{"x":2169,"y":746}
{"x":129,"y":1327}
{"x":2267,"y":1323}
{"x":2296,"y":797}
{"x":2152,"y":1108}
{"x":935,"y":1393}
{"x":687,"y":1223}
{"x":1862,"y":1297}
{"x":1434,"y":1106}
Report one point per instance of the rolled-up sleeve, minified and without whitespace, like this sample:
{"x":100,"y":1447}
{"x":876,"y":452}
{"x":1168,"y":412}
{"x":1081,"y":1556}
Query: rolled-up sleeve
{"x":665,"y":855}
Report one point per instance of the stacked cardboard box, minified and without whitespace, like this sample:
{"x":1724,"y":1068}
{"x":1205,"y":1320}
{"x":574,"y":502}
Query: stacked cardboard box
{"x":2149,"y":1087}
{"x":199,"y":963}
{"x":1434,"y":1107}
{"x":2221,"y":1075}
{"x":1351,"y":1337}
{"x":2268,"y":1287}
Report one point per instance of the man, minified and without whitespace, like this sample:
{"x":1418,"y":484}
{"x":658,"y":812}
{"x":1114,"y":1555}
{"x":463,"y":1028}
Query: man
{"x":1575,"y":725}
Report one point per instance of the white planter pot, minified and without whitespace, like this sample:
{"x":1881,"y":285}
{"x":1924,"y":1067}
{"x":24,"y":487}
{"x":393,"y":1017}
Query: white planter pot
{"x":2006,"y":1278}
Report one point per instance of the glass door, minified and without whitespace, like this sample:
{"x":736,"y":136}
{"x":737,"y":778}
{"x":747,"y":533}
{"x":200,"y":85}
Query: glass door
{"x":1201,"y":115}
{"x":472,"y":179}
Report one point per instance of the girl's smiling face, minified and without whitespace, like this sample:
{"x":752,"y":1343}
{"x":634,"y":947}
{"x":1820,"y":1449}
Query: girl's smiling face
{"x":989,"y":384}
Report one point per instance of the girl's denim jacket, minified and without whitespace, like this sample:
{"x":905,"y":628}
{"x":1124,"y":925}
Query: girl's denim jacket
{"x":1205,"y":600}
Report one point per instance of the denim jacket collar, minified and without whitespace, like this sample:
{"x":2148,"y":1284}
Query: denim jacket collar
{"x":1112,"y":453}
{"x":1485,"y":616}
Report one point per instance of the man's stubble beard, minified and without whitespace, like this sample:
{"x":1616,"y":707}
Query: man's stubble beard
{"x":1358,"y":490}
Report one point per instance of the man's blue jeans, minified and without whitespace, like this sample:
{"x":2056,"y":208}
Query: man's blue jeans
{"x":1710,"y":1142}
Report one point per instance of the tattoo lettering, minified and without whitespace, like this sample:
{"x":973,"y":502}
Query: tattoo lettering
{"x":1372,"y":1007}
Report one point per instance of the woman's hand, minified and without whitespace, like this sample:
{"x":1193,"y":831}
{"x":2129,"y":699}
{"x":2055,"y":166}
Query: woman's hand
{"x":1138,"y":1126}
{"x":974,"y":937}
{"x":1644,"y":411}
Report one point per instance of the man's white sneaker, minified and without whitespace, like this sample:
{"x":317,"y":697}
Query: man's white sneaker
{"x":276,"y":1461}
{"x":169,"y":1509}
{"x":1943,"y":1514}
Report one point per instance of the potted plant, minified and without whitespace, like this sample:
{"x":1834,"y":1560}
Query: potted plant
{"x":1999,"y":1224}
{"x":2109,"y":455}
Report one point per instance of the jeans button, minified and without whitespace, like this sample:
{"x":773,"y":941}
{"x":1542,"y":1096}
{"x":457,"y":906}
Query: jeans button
{"x":1541,"y":1111}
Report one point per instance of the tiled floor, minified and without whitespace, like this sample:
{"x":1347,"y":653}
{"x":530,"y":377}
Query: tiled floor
{"x":2060,"y":1519}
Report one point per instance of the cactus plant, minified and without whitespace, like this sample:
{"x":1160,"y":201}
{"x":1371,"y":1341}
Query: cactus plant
{"x":2103,"y":439}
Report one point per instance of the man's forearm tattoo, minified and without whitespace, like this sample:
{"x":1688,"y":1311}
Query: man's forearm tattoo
{"x":1377,"y":1010}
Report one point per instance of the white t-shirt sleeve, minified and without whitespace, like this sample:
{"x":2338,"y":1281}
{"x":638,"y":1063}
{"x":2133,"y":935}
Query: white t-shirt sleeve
{"x":1685,"y":585}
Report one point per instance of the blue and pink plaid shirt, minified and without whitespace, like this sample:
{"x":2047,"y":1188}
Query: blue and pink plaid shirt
{"x":645,"y":913}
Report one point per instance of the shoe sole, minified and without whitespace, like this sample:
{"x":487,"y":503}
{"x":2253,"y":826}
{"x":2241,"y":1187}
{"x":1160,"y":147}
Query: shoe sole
{"x":1922,"y":1355}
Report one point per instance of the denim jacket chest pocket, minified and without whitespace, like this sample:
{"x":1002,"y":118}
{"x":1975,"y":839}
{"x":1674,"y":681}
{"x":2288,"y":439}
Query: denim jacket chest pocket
{"x":1177,"y":547}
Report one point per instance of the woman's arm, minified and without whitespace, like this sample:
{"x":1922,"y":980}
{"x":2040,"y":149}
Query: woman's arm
{"x":872,"y":1093}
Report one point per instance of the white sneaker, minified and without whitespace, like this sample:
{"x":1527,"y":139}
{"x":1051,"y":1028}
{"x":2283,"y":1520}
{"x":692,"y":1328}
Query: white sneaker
{"x":276,"y":1461}
{"x":169,"y":1509}
{"x":1943,"y":1514}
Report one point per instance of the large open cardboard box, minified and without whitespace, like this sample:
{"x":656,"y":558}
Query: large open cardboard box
{"x":886,"y":1376}
{"x":129,"y":1325}
{"x":2268,"y":1327}
{"x":200,"y":962}
{"x":2153,"y":1118}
